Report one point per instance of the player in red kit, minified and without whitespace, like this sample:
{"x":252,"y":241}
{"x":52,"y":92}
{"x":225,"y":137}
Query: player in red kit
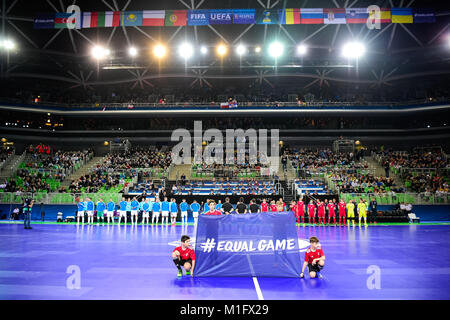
{"x":212,"y":210}
{"x":321,"y":212}
{"x":264,"y":206}
{"x":273,"y":206}
{"x":293,"y":207}
{"x":301,"y":210}
{"x":311,"y":212}
{"x":314,"y":259}
{"x":184,"y":256}
{"x":342,"y":205}
{"x":331,"y":212}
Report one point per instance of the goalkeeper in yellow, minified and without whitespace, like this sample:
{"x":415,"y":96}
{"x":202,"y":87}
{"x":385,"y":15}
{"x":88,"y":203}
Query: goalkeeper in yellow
{"x":362,"y":212}
{"x":351,"y":212}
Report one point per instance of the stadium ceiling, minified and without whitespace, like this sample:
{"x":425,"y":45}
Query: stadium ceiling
{"x":395,"y":52}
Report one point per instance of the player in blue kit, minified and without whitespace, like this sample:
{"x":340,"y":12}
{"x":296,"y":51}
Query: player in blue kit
{"x":110,"y":207}
{"x":90,"y":207}
{"x":101,"y":208}
{"x":206,"y":206}
{"x":146,"y":211}
{"x":156,"y":208}
{"x":134,"y":204}
{"x":173,"y":212}
{"x":123,"y":210}
{"x":81,"y":209}
{"x":195,"y":208}
{"x":165,"y":208}
{"x":184,"y":211}
{"x":219,"y":206}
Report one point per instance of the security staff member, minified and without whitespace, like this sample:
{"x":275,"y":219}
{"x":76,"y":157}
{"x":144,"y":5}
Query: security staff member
{"x":27,"y":206}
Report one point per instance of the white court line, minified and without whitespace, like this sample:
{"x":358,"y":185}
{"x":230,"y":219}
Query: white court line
{"x":258,"y":289}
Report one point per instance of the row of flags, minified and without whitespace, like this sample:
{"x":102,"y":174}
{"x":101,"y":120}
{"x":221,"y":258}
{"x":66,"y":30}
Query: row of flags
{"x":161,"y":18}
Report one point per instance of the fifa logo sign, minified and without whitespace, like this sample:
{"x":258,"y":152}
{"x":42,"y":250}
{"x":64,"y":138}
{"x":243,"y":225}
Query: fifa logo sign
{"x":210,"y":147}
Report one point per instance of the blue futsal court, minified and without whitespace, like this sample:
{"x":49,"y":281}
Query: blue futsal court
{"x":133,"y":262}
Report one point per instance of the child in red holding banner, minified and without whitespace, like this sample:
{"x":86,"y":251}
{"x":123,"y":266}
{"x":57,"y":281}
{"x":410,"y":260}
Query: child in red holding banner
{"x":314,"y":259}
{"x":184,"y":256}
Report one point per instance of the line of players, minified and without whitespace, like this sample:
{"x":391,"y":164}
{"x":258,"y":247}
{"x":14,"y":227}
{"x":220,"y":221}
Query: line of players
{"x":165,"y":209}
{"x":329,"y":209}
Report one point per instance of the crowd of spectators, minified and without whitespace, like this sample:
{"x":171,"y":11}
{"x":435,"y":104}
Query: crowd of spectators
{"x":364,"y":183}
{"x":305,"y":158}
{"x":427,"y":183}
{"x":62,"y":161}
{"x":36,"y":182}
{"x":99,"y":179}
{"x":5,"y":153}
{"x":137,"y":157}
{"x":417,"y":159}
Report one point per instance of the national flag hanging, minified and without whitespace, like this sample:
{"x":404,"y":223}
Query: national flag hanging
{"x":267,"y":17}
{"x":289,"y":16}
{"x":132,"y":18}
{"x":334,"y":16}
{"x":175,"y":18}
{"x":402,"y":15}
{"x":112,"y":19}
{"x":356,"y":15}
{"x":44,"y":21}
{"x":153,"y":18}
{"x":90,"y":19}
{"x":424,"y":15}
{"x":62,"y":19}
{"x":311,"y":15}
{"x":385,"y":15}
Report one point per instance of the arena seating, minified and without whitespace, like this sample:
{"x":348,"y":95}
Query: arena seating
{"x":242,"y":187}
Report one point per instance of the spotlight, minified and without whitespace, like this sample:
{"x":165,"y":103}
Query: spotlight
{"x":8,"y":44}
{"x":353,"y":50}
{"x":258,"y":49}
{"x":222,"y":50}
{"x":276,"y":49}
{"x":301,"y":49}
{"x":132,"y":52}
{"x":159,"y":51}
{"x":241,"y":50}
{"x":98,"y":52}
{"x":185,"y":50}
{"x":204,"y":50}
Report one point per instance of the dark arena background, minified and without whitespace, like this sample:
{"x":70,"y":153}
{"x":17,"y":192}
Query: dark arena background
{"x":352,"y":141}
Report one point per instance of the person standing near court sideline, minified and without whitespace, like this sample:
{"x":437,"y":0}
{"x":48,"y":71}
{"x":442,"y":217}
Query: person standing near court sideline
{"x":81,"y":208}
{"x":42,"y":212}
{"x":373,"y":211}
{"x":27,"y":208}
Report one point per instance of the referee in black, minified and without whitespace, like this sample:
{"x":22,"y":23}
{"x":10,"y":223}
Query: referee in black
{"x":373,"y":211}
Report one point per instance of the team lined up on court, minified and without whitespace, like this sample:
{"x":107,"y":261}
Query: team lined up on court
{"x":326,"y":211}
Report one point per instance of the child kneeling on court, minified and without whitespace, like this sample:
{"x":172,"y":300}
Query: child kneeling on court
{"x":314,"y":259}
{"x":184,"y":256}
